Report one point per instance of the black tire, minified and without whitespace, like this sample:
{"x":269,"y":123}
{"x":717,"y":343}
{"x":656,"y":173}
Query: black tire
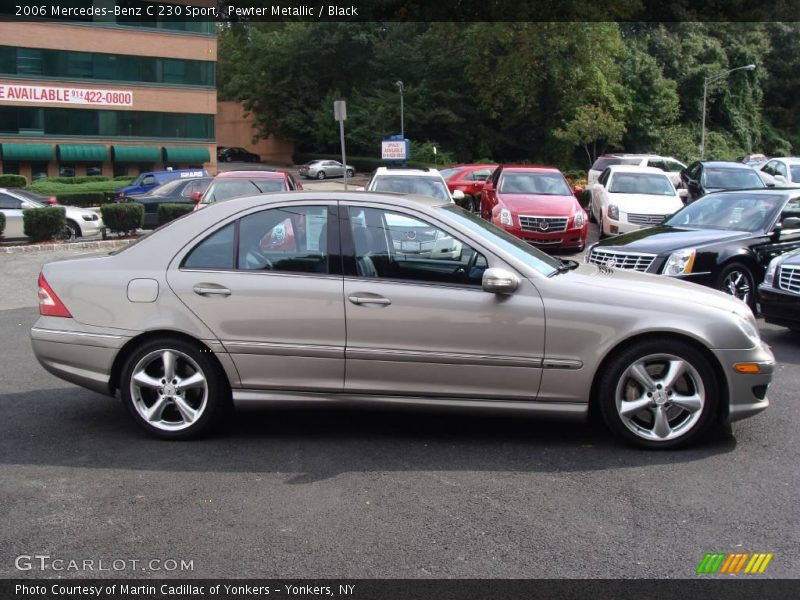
{"x":602,"y":234}
{"x":72,"y":231}
{"x":217,"y":404}
{"x":591,"y":213}
{"x":613,"y":379}
{"x":350,"y":173}
{"x":729,"y":274}
{"x":321,"y":175}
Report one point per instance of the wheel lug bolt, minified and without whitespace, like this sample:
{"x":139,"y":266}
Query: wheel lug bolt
{"x":649,"y":394}
{"x":658,"y":386}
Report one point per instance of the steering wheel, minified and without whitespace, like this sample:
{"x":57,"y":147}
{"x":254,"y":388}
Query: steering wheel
{"x":465,"y":271}
{"x":256,"y":261}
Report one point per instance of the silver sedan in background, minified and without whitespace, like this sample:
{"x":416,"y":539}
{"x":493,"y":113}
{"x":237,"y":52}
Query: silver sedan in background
{"x":322,"y":169}
{"x":336,"y":296}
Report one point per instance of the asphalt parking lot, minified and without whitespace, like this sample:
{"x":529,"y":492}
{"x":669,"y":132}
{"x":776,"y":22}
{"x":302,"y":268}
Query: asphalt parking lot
{"x":338,"y":493}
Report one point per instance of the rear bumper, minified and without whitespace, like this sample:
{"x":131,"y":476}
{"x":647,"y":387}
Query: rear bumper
{"x":80,"y":357}
{"x":779,"y":307}
{"x":747,"y":392}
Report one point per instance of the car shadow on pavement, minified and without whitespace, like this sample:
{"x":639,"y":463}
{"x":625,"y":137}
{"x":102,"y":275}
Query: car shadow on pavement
{"x":75,"y":428}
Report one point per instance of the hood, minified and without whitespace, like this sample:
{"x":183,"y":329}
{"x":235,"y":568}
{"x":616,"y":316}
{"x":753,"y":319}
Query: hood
{"x":646,"y":204}
{"x":538,"y":204}
{"x":641,"y":288}
{"x":664,"y":239}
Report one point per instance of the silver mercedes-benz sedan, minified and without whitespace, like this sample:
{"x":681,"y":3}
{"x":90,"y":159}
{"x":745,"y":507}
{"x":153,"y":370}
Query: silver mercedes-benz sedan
{"x":369,"y":298}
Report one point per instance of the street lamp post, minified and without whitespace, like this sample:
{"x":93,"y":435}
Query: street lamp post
{"x":399,"y":85}
{"x":709,"y":80}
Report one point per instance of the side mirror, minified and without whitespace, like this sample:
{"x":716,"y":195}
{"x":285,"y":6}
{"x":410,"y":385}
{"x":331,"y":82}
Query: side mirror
{"x":776,"y":233}
{"x":458,"y":195}
{"x":196,"y":196}
{"x":499,"y":281}
{"x":790,"y":223}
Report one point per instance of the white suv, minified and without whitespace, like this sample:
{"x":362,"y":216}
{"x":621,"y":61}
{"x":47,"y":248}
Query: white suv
{"x":667,"y":164}
{"x":420,"y":182}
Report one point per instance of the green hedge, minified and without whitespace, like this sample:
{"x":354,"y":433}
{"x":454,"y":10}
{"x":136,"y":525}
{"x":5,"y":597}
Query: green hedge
{"x":170,"y":211}
{"x":55,"y":188}
{"x":123,"y":218}
{"x":84,"y":199}
{"x":41,"y":224}
{"x":74,"y":180}
{"x":125,"y":178}
{"x":361,"y":163}
{"x":2,"y":224}
{"x":13,"y":181}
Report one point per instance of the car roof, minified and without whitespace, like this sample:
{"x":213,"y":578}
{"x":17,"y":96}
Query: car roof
{"x":628,"y":155}
{"x":251,"y":175}
{"x":725,"y":163}
{"x":789,"y":159}
{"x":634,"y":169}
{"x":530,"y":169}
{"x":765,"y":191}
{"x":406,"y":171}
{"x":474,"y":166}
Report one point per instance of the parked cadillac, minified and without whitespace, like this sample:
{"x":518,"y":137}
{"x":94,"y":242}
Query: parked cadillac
{"x":723,"y":240}
{"x":207,"y":311}
{"x":779,"y":295}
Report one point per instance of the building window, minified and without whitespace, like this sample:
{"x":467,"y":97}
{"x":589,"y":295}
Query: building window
{"x":120,"y":170}
{"x":114,"y":123}
{"x":38,"y":170}
{"x":66,"y":170}
{"x":93,"y":170}
{"x":11,"y":168}
{"x":111,"y":67}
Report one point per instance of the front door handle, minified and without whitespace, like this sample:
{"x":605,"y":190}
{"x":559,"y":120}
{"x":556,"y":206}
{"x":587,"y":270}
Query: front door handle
{"x":361,"y":298}
{"x":210,"y":289}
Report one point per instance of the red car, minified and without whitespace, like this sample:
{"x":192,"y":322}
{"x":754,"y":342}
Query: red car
{"x":232,"y":184}
{"x":535,"y":204}
{"x":469,"y":179}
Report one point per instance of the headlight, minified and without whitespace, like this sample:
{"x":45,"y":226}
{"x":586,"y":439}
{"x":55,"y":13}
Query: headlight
{"x":579,"y":220}
{"x":92,"y":217}
{"x":680,"y":262}
{"x":613,"y":212}
{"x":748,"y":329}
{"x":772,"y":268}
{"x":505,"y":217}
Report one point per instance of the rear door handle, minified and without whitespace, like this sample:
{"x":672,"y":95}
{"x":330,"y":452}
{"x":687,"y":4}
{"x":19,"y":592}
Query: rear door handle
{"x":369,"y":299}
{"x":210,"y":289}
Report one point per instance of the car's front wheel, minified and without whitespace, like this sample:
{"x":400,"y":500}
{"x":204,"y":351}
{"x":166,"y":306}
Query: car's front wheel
{"x":321,"y":175}
{"x":350,"y":173}
{"x":659,"y":395}
{"x":174,"y":389}
{"x":737,"y":280}
{"x":72,"y":231}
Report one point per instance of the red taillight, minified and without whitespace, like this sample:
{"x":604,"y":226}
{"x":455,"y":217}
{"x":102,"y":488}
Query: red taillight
{"x":52,"y":200}
{"x":50,"y":305}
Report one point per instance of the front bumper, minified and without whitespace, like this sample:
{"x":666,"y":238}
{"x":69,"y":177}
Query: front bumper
{"x":747,"y":392}
{"x":779,"y":307}
{"x":91,"y":228}
{"x":571,"y":238}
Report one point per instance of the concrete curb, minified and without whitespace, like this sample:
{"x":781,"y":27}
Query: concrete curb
{"x":90,"y":245}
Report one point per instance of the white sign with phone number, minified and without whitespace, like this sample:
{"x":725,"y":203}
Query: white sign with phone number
{"x":11,"y":92}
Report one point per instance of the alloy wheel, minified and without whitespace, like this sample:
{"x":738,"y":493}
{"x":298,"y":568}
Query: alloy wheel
{"x":660,"y":397}
{"x":737,"y":284}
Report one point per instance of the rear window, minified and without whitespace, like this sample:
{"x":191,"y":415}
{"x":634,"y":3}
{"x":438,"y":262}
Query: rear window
{"x":448,"y":173}
{"x":731,"y":179}
{"x":608,"y":161}
{"x":225,"y":189}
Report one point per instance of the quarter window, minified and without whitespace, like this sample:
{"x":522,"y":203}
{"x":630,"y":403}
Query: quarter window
{"x":214,"y":252}
{"x":9,"y":203}
{"x":390,"y":245}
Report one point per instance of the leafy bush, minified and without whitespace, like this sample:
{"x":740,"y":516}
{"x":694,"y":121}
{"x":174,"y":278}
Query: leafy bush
{"x":2,"y":224}
{"x":55,"y":188}
{"x":123,"y":218}
{"x":13,"y":181}
{"x":124,"y":178}
{"x":172,"y":210}
{"x":74,"y":180}
{"x":423,"y":153}
{"x":41,"y":224}
{"x":83,"y":199}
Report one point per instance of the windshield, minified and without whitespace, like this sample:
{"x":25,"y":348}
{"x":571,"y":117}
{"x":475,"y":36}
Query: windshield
{"x":652,"y":184}
{"x":226,"y":189}
{"x":547,"y":184}
{"x":536,"y":259}
{"x":408,"y":184}
{"x":731,"y":179}
{"x":734,"y":212}
{"x":795,"y":171}
{"x":448,"y":173}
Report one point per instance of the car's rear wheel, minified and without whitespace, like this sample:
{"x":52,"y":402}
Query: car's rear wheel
{"x":470,"y":203}
{"x":592,"y":218}
{"x":321,"y":175}
{"x":737,"y":280}
{"x":659,"y":395}
{"x":174,"y":390}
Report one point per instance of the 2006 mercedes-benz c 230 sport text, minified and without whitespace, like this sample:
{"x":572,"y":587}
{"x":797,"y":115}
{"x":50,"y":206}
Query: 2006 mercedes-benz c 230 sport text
{"x":386,"y":299}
